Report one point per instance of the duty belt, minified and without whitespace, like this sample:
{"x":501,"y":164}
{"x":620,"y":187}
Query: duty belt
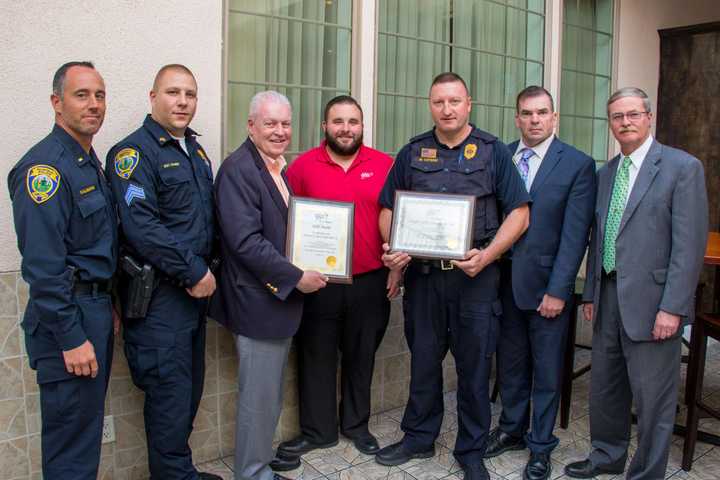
{"x":445,"y":264}
{"x":92,"y":288}
{"x":441,"y":264}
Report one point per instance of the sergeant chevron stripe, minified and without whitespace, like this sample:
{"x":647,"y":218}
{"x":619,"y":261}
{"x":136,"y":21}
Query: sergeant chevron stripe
{"x":133,"y":192}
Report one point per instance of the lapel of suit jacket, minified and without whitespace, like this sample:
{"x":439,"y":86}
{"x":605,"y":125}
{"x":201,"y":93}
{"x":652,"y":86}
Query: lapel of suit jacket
{"x":552,"y":157}
{"x":644,"y":179}
{"x":268,"y":180}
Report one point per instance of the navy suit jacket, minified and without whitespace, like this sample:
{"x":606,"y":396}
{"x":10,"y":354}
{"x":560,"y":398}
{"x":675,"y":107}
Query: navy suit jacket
{"x":547,"y":257}
{"x":256,"y":295}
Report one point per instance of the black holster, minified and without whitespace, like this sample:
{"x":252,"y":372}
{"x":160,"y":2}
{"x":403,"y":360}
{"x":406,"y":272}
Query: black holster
{"x":140,"y":287}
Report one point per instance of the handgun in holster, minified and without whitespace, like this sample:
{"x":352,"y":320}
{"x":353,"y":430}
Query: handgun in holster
{"x":141,"y":286}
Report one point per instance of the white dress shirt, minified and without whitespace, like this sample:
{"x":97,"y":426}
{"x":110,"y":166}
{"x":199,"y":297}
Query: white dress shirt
{"x":534,"y":162}
{"x":637,"y":157}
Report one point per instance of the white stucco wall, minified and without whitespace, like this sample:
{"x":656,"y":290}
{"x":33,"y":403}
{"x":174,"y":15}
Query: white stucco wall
{"x":638,"y":42}
{"x":128,"y":40}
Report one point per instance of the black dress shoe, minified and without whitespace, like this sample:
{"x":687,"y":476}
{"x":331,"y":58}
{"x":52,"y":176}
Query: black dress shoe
{"x":284,"y":464}
{"x":300,"y":445}
{"x":500,"y":442}
{"x":209,"y":476}
{"x":397,"y":454}
{"x":476,"y":472}
{"x":280,"y":477}
{"x":538,"y":467}
{"x":366,"y":444}
{"x":585,"y":469}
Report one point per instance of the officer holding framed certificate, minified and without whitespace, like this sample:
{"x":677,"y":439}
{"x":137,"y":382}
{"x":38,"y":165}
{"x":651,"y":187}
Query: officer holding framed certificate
{"x":453,"y":304}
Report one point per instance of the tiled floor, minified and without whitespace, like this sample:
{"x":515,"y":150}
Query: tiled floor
{"x":343,"y":462}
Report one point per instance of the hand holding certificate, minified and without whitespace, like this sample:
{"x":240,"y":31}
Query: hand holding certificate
{"x":432,"y":225}
{"x":320,"y":235}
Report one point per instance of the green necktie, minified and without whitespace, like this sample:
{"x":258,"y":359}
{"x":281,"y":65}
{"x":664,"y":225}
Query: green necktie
{"x":615,"y":213}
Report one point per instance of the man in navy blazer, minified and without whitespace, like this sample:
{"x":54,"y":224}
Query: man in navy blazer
{"x":537,"y":280}
{"x":259,"y":295}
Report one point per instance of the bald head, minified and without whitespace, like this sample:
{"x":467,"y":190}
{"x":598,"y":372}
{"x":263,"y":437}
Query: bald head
{"x":171,"y":68}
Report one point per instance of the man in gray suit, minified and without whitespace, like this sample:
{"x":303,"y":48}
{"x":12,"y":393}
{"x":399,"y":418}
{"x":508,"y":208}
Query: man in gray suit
{"x":646,"y":251}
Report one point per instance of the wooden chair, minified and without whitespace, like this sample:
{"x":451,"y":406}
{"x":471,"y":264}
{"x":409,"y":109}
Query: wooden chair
{"x":705,"y":326}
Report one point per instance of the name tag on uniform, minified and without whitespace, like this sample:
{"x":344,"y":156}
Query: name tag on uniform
{"x":171,"y":165}
{"x":86,"y":190}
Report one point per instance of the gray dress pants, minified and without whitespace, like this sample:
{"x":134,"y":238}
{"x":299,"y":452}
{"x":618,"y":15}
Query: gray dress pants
{"x":261,"y":366}
{"x":623,"y":371}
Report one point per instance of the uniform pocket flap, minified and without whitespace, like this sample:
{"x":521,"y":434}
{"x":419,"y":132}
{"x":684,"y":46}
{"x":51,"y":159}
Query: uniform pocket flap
{"x":660,"y":275}
{"x":426,"y":165}
{"x":467,"y":167}
{"x":173,"y":176}
{"x":91,"y":204}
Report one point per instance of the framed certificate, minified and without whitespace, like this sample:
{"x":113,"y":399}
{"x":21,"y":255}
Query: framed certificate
{"x":432,"y":225}
{"x":320,"y":237}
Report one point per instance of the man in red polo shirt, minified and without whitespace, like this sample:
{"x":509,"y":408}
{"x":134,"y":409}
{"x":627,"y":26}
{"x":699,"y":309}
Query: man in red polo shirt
{"x":353,"y":317}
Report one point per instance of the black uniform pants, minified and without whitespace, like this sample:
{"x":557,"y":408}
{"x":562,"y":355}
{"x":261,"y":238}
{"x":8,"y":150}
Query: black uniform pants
{"x":166,"y":355}
{"x":354,"y":318}
{"x":450,"y":310}
{"x":72,"y":407}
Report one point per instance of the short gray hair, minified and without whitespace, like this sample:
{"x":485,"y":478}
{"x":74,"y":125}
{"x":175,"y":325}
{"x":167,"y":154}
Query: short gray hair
{"x":630,"y":92}
{"x":267,"y":96}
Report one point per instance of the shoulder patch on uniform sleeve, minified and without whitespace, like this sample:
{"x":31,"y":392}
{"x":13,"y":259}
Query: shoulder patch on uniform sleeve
{"x":133,"y":192}
{"x":42,"y":183}
{"x":125,"y":162}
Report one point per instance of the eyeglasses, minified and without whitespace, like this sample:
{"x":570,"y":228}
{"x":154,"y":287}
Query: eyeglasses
{"x":633,"y":116}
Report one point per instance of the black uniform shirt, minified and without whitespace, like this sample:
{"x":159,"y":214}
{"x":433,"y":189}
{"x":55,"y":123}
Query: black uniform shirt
{"x":458,"y":175}
{"x":165,"y":200}
{"x":66,"y":228}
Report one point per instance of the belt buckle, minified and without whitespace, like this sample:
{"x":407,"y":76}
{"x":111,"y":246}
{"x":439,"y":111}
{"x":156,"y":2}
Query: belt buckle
{"x":446,"y":265}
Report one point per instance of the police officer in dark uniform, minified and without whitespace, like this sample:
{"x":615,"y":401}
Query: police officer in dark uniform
{"x":67,"y":234}
{"x":162,"y":181}
{"x":453,"y":304}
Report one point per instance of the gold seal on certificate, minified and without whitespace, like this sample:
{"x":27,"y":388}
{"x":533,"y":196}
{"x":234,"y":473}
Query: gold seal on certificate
{"x":432,"y":225}
{"x":320,"y":237}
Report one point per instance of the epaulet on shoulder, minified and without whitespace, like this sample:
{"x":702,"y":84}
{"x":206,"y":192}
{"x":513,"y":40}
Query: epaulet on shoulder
{"x":422,"y":136}
{"x":45,"y":152}
{"x":134,"y":139}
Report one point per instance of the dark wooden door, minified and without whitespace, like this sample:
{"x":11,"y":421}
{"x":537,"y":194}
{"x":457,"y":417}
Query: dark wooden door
{"x":688,"y":112}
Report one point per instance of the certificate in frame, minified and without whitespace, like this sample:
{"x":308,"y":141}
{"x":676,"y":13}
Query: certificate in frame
{"x":320,"y":237}
{"x":432,"y":225}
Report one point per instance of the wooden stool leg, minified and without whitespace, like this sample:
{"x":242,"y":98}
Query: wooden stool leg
{"x":690,"y":373}
{"x":568,"y":366}
{"x":496,"y":385}
{"x":698,"y":351}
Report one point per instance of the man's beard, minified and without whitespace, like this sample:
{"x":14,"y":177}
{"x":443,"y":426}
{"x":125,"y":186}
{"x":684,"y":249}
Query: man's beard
{"x":342,"y":149}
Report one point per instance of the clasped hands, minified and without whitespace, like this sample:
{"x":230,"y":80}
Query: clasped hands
{"x":475,"y":261}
